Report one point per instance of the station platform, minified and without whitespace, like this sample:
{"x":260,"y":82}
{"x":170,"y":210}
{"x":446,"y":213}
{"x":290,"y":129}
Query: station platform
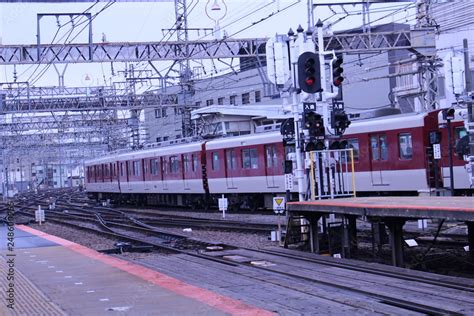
{"x":392,"y":211}
{"x":53,"y":276}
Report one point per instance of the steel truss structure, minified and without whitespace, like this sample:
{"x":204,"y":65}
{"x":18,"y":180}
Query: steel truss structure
{"x":129,"y":52}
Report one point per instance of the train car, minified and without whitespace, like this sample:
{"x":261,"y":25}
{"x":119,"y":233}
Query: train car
{"x":392,"y":155}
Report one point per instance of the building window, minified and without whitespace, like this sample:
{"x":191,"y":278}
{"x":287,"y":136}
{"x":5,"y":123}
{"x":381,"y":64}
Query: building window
{"x":405,"y":146}
{"x":163,"y":112}
{"x":249,"y":158}
{"x":271,"y":156}
{"x":210,"y":102}
{"x":441,"y":87}
{"x":165,"y":138}
{"x":246,"y":98}
{"x":231,"y":159}
{"x":220,"y":101}
{"x":258,"y":96}
{"x":122,"y":173}
{"x":215,"y":161}
{"x":158,"y":139}
{"x":198,"y":103}
{"x":157,"y":113}
{"x":233,"y":100}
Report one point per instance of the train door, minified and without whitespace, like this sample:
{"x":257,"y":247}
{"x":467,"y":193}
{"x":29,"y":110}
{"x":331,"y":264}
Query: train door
{"x":230,"y":167}
{"x":378,"y":157}
{"x":164,"y":172}
{"x":185,"y":170}
{"x":271,"y":162}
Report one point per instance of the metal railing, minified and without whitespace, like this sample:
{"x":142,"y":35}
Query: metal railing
{"x":332,"y":174}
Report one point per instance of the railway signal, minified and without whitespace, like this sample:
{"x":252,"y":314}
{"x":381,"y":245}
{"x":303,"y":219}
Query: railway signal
{"x":314,"y":145}
{"x":448,"y":114}
{"x":339,"y":121}
{"x":337,"y":71}
{"x":309,"y":77}
{"x":314,"y":123}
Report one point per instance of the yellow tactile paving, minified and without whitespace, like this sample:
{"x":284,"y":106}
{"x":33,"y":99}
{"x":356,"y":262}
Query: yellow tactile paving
{"x":28,"y":299}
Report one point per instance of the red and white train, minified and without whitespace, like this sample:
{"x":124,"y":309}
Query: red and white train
{"x":392,"y":154}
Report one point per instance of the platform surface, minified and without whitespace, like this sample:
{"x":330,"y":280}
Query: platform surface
{"x":452,"y":208}
{"x":56,"y":277}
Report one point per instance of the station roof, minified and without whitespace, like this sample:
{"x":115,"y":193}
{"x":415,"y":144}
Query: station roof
{"x":272,"y":111}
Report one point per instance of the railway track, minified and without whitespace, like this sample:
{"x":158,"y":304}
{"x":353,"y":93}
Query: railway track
{"x":113,"y":224}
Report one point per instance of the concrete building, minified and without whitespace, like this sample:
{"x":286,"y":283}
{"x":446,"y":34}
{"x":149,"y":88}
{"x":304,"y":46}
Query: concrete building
{"x":455,"y":20}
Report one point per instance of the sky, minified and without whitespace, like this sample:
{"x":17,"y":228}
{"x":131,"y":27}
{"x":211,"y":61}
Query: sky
{"x":145,"y":21}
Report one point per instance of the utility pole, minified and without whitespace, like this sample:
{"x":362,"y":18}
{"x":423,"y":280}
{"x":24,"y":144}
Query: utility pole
{"x":185,"y":74}
{"x":469,"y":98}
{"x":427,"y":60}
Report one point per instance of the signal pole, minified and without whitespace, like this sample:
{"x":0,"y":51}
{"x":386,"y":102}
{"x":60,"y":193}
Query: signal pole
{"x":299,"y":172}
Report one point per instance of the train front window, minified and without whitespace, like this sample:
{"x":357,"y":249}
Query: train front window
{"x":460,"y":132}
{"x":405,"y":146}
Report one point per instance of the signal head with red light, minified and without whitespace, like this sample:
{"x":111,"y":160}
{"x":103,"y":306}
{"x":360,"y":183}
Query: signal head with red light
{"x":309,"y":78}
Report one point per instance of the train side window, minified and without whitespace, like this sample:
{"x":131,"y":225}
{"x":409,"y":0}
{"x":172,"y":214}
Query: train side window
{"x":195,"y":164}
{"x":383,"y":147}
{"x":231,"y":159}
{"x":271,"y":156}
{"x":129,"y":168}
{"x":174,"y":164}
{"x":354,"y":144}
{"x":136,"y":168}
{"x":249,"y":158}
{"x":145,"y":167}
{"x":186,"y":163}
{"x":405,"y":146}
{"x":379,"y":147}
{"x":164,"y":166}
{"x":154,"y":166}
{"x":374,"y":145}
{"x":215,"y":161}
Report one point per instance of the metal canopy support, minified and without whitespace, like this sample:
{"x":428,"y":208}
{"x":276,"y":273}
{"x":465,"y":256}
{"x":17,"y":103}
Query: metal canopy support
{"x":395,"y":226}
{"x":470,"y":235}
{"x":314,"y":231}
